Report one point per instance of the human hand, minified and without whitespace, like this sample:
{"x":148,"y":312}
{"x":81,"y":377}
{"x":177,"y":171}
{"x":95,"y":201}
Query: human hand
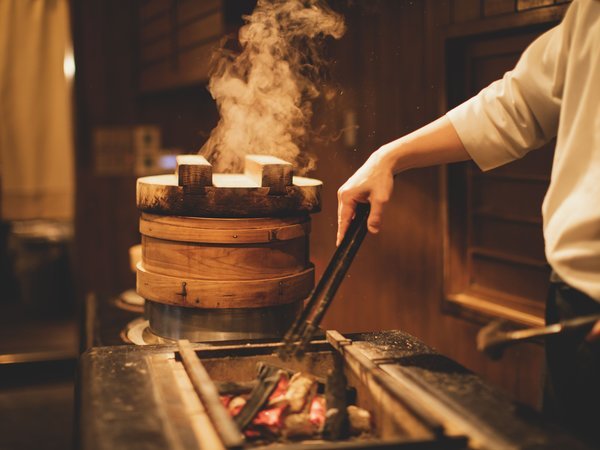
{"x":371,"y":183}
{"x":594,"y":334}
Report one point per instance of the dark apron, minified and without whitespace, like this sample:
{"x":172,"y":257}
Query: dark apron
{"x":572,"y":385}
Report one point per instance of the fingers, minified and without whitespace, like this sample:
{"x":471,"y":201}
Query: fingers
{"x":594,"y":335}
{"x":346,"y":212}
{"x":375,"y":217}
{"x":346,"y":209}
{"x":371,"y":183}
{"x":378,"y":202}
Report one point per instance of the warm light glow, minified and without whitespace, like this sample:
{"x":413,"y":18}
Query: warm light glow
{"x":69,"y":64}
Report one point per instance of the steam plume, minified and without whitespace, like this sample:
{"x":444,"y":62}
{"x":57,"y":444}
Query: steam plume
{"x":264,"y":92}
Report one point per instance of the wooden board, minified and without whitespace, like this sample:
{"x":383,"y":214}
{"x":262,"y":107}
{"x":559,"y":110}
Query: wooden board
{"x":194,"y":172}
{"x":269,"y":171}
{"x":201,"y":293}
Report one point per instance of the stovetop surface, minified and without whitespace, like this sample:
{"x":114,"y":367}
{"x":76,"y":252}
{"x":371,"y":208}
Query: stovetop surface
{"x":119,"y":410}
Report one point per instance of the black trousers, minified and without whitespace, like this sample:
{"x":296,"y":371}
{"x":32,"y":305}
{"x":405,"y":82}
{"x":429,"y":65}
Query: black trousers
{"x":572,"y":385}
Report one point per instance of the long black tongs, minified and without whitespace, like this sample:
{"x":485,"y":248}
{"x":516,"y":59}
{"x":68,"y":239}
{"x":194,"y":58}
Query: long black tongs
{"x":303,"y":329}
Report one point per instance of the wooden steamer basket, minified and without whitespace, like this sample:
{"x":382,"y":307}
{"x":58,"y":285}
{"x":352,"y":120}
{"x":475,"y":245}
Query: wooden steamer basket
{"x":225,"y":256}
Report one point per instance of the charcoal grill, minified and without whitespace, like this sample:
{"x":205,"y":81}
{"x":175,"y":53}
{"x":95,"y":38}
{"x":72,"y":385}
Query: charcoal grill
{"x":143,"y":397}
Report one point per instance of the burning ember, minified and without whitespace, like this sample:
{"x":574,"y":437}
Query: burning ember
{"x":281,"y":406}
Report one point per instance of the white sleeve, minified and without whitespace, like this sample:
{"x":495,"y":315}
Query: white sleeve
{"x":519,"y":112}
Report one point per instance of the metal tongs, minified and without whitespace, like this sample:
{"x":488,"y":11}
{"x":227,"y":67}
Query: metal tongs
{"x":493,"y":339}
{"x":299,"y":335}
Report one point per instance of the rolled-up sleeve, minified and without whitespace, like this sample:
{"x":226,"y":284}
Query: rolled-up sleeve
{"x":519,"y":112}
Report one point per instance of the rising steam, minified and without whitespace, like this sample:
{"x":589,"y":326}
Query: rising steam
{"x":264,"y":92}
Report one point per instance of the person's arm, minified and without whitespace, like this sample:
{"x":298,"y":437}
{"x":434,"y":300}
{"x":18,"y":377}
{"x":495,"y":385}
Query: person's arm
{"x":502,"y":123}
{"x":436,"y":143}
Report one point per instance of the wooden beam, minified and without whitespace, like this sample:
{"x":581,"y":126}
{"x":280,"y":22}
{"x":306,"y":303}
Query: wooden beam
{"x":230,"y":435}
{"x":194,"y":173}
{"x":269,"y":171}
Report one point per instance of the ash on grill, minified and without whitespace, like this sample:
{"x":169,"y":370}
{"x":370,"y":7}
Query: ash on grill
{"x":281,"y":405}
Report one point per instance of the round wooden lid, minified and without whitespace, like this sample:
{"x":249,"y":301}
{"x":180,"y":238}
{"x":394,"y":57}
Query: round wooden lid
{"x":267,"y":188}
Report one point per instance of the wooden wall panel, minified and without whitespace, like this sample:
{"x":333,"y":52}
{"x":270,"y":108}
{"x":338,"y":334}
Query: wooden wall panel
{"x":497,"y":7}
{"x":192,"y":9}
{"x":156,"y":29}
{"x":513,"y":278}
{"x":523,"y":5}
{"x":509,"y":276}
{"x":202,"y":29}
{"x":517,"y":238}
{"x":105,"y":43}
{"x":176,"y":42}
{"x":157,"y":50}
{"x":150,"y":9}
{"x":512,"y":198}
{"x":465,"y":10}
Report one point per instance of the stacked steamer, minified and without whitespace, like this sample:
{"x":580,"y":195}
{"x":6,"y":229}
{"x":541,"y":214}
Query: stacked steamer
{"x":225,"y":256}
